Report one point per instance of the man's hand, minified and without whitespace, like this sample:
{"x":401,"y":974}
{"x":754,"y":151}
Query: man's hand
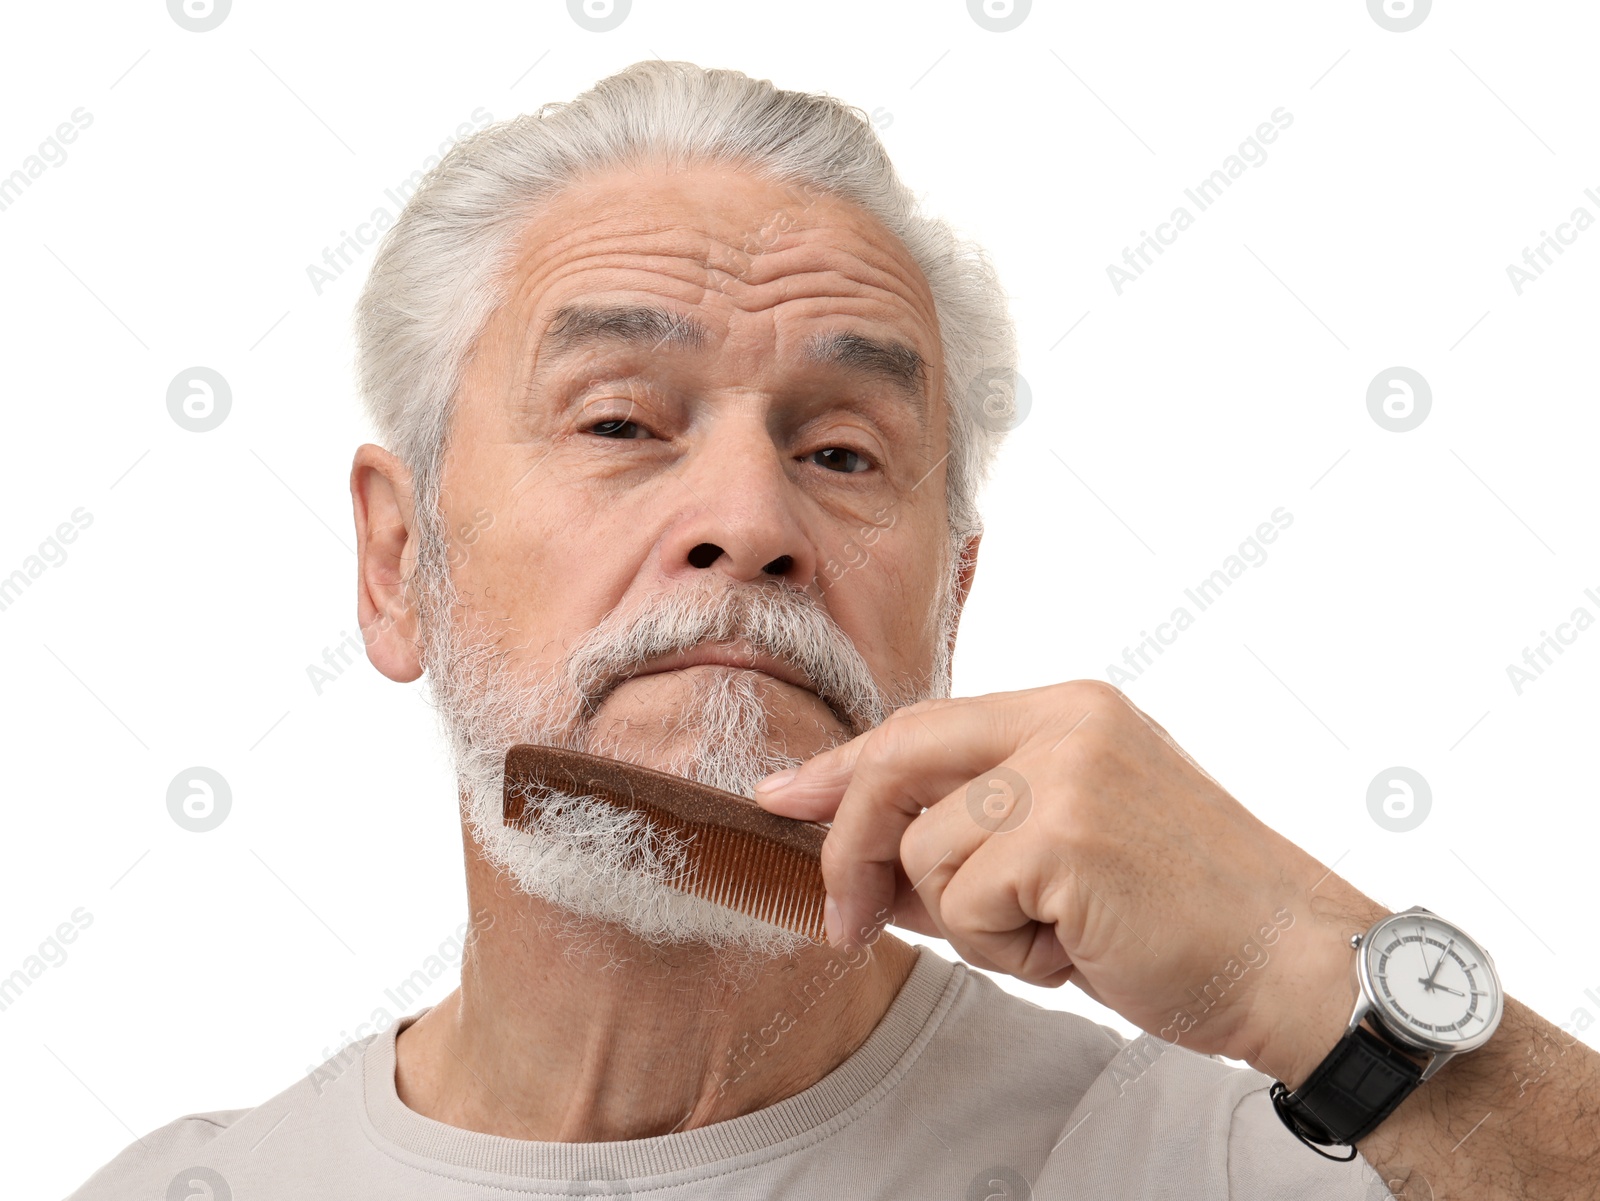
{"x":1060,"y":833}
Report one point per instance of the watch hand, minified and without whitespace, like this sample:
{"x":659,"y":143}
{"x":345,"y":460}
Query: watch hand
{"x":1441,"y":987}
{"x":1439,"y":961}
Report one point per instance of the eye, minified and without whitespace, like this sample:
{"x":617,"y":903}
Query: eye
{"x":840,"y":458}
{"x":612,"y":428}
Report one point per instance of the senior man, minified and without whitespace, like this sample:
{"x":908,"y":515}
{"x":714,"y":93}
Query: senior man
{"x":686,"y":407}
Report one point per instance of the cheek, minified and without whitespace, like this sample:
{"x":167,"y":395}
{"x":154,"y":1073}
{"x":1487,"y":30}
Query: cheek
{"x":555,"y":564}
{"x":504,"y":567}
{"x":878,"y":598}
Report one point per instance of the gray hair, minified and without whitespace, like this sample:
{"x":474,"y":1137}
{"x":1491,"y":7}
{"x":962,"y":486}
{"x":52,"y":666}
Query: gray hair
{"x":440,"y":271}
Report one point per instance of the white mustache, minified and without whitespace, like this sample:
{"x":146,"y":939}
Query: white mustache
{"x":773,"y":620}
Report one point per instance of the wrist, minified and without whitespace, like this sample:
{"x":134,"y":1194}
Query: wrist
{"x":1302,"y":1011}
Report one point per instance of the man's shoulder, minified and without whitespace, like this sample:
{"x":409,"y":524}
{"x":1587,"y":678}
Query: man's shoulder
{"x":1053,"y":1066}
{"x":1129,"y":1116}
{"x":987,"y":1017}
{"x":191,"y":1144}
{"x":149,"y":1164}
{"x":988,"y":1013}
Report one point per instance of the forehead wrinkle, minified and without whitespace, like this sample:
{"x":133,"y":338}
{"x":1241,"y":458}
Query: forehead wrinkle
{"x":698,"y":248}
{"x":829,"y":273}
{"x":543,"y":267}
{"x":835,"y":262}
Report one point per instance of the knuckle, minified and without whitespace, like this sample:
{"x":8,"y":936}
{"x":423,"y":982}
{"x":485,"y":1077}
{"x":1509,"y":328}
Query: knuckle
{"x":1090,"y":692}
{"x":910,"y":712}
{"x":833,"y":857}
{"x":894,"y":739}
{"x":916,"y":853}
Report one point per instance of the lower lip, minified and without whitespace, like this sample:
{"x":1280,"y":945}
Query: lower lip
{"x":691,"y":666}
{"x":728,"y":667}
{"x":644,"y":675}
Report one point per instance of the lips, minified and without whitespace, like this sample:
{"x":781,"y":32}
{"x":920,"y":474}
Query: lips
{"x":736,"y":655}
{"x":739,"y":656}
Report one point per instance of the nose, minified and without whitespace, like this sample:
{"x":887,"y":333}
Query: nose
{"x":740,"y":513}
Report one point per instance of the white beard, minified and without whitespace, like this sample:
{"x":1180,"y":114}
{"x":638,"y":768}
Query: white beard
{"x":600,"y":864}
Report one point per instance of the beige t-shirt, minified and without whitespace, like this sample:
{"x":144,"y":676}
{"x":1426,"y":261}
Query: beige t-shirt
{"x":962,"y":1092}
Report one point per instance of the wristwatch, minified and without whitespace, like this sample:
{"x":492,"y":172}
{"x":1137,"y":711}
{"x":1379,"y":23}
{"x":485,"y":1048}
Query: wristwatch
{"x":1426,"y":993}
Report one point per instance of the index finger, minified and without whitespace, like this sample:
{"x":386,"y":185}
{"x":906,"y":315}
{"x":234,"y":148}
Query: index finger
{"x":906,"y":765}
{"x":812,"y":791}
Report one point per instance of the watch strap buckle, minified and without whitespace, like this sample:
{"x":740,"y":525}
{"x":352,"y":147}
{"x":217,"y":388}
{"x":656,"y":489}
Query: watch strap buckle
{"x":1278,"y":1093}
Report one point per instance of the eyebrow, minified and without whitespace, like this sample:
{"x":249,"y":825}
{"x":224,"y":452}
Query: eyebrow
{"x":895,"y":362}
{"x":576,"y":327}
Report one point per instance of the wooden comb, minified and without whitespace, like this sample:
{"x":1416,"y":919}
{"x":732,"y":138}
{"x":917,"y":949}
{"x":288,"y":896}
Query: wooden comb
{"x":738,"y":854}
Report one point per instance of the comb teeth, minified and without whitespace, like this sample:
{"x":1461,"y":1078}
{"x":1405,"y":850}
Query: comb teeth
{"x":737,"y":854}
{"x":770,"y":883}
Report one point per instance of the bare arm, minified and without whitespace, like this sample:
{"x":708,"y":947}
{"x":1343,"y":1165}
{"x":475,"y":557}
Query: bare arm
{"x":1518,"y":1118}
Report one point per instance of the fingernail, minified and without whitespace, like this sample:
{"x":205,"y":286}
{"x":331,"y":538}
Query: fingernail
{"x":830,"y":920}
{"x":774,"y":782}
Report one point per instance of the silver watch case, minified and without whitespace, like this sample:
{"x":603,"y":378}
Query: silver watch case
{"x":1439,"y":1051}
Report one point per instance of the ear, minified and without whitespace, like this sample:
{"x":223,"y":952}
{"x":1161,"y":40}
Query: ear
{"x":386,"y":554}
{"x":968,"y":567}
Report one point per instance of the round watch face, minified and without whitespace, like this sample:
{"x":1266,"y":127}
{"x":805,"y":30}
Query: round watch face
{"x":1432,"y":984}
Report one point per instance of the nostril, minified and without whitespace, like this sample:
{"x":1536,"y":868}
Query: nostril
{"x":779,"y":566}
{"x":705,"y":555}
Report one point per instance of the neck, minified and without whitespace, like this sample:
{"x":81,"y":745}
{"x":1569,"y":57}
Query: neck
{"x":603,"y":1037}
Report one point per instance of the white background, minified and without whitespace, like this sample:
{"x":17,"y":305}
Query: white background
{"x":1166,"y":425}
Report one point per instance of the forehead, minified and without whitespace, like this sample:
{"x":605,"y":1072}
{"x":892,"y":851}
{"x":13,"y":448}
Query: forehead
{"x":750,"y":259}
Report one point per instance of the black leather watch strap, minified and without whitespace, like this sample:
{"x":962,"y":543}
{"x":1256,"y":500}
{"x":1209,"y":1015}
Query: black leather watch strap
{"x":1359,"y":1084}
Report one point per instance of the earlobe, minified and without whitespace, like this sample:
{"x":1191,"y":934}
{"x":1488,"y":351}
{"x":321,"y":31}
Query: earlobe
{"x":380,"y":492}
